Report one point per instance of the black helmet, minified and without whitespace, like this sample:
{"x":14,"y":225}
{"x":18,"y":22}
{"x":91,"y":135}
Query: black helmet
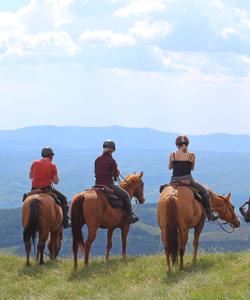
{"x":109,"y":144}
{"x":47,"y":152}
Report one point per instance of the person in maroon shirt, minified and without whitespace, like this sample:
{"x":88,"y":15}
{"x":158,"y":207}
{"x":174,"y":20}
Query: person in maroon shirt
{"x":43,"y":174}
{"x":106,"y":171}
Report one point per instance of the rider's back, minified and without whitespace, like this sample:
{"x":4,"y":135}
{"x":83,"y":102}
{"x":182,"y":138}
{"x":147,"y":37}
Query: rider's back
{"x":43,"y":172}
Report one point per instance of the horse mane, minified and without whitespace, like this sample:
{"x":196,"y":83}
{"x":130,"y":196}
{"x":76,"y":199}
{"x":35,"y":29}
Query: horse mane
{"x":131,"y":179}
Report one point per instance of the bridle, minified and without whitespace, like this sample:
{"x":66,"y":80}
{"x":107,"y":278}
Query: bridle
{"x":222,"y":216}
{"x":129,"y":184}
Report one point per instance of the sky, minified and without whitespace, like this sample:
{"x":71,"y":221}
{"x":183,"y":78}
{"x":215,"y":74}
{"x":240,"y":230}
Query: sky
{"x":174,"y":65}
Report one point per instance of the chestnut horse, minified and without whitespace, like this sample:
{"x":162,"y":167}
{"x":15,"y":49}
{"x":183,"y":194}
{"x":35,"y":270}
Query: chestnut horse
{"x":93,"y":209}
{"x":178,"y":211}
{"x":42,"y":214}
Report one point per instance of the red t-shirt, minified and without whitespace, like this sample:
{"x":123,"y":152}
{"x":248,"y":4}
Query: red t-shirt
{"x":43,"y":172}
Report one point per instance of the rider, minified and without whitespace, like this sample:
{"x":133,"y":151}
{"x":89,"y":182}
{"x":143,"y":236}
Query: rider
{"x":182,"y":162}
{"x":106,"y":171}
{"x":43,"y":174}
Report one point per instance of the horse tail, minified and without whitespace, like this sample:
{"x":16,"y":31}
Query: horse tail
{"x":77,"y":220}
{"x":33,"y":225}
{"x":172,"y":229}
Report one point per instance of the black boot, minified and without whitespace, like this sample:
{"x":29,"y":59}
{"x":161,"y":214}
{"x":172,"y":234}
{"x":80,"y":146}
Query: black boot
{"x":211,"y":214}
{"x":245,"y":213}
{"x":132,"y":218}
{"x":65,"y":210}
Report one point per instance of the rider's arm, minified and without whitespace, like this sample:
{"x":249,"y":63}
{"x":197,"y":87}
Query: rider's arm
{"x":31,"y":171}
{"x":170,"y":163}
{"x":115,"y":170}
{"x":55,"y":178}
{"x":193,"y":160}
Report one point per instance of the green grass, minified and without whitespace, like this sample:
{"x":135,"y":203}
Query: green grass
{"x":216,"y":276}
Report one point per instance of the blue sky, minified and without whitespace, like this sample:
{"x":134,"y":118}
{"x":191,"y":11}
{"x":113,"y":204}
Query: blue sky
{"x":172,"y":65}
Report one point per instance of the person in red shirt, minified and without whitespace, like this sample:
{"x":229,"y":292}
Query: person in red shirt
{"x":106,"y":171}
{"x":43,"y":174}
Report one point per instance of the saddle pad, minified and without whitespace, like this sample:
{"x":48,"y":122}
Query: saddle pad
{"x":40,"y":191}
{"x":114,"y":201}
{"x":197,"y":196}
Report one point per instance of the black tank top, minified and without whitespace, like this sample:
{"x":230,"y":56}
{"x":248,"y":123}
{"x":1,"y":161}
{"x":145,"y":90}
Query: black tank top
{"x":181,"y":167}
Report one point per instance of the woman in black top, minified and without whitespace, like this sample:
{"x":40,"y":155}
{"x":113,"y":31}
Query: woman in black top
{"x":182,"y":163}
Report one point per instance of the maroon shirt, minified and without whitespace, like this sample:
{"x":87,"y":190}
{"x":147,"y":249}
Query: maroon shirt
{"x":105,"y":169}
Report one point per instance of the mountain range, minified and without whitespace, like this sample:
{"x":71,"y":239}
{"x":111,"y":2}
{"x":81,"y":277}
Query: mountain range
{"x":75,"y":137}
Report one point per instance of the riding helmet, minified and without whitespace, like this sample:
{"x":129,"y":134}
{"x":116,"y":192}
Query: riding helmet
{"x":109,"y":144}
{"x":47,"y":152}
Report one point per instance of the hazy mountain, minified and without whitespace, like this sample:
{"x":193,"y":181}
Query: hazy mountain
{"x":74,"y":137}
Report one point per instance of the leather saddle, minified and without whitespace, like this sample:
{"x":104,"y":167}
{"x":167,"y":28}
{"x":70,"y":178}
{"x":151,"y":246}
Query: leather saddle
{"x":42,"y":191}
{"x":114,"y":201}
{"x":186,"y":184}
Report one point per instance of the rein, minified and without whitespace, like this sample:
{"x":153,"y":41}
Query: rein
{"x":224,"y":223}
{"x":128,"y":183}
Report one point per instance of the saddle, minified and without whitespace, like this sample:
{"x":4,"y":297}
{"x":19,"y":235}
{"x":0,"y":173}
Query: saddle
{"x":114,"y":201}
{"x":185,"y":183}
{"x":42,"y":191}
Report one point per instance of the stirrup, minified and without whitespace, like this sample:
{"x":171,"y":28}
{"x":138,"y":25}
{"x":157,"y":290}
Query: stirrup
{"x":212,"y":216}
{"x":132,"y":218}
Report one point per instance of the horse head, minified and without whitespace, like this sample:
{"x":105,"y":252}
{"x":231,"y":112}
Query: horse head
{"x":224,"y":207}
{"x":134,"y":185}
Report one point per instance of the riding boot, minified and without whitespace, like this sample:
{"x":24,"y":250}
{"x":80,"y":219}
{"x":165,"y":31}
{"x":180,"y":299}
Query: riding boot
{"x":132,"y":218}
{"x":65,"y":210}
{"x":245,"y":213}
{"x":211,"y":214}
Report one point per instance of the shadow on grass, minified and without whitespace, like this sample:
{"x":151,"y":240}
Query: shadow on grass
{"x":98,"y":267}
{"x":202,"y":266}
{"x":35,"y":270}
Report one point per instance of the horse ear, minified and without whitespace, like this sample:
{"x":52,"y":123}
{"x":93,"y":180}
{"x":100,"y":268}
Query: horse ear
{"x":141,"y":174}
{"x":228,"y":196}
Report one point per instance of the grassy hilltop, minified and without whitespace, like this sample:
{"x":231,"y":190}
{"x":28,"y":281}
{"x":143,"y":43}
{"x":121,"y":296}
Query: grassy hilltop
{"x":216,"y":276}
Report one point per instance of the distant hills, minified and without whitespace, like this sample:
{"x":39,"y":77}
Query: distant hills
{"x":75,"y":137}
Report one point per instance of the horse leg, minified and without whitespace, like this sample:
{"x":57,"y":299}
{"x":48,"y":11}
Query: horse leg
{"x":27,"y":249}
{"x":109,"y":242}
{"x":197,"y":232}
{"x":124,"y":232}
{"x":91,"y":237}
{"x":41,"y":245}
{"x":183,"y":241}
{"x":164,"y":240}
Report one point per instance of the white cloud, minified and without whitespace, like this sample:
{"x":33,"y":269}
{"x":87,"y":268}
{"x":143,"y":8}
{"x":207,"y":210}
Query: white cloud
{"x":107,"y":37}
{"x":140,"y":7}
{"x":226,"y":32}
{"x":146,"y":30}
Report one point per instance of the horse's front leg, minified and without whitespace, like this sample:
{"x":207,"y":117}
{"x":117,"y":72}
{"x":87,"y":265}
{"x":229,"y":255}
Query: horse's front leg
{"x":197,"y":232}
{"x":91,"y":237}
{"x":124,"y":232}
{"x":109,"y":242}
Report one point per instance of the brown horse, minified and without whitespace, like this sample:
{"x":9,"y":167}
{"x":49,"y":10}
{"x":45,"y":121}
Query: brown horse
{"x":93,"y":209}
{"x":43,"y":215}
{"x":178,"y":211}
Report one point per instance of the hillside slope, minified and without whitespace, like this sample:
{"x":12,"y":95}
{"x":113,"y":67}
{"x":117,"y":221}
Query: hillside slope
{"x":216,"y":276}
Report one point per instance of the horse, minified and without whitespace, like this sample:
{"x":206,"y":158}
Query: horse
{"x":178,"y":211}
{"x":41,"y":213}
{"x":92,"y":208}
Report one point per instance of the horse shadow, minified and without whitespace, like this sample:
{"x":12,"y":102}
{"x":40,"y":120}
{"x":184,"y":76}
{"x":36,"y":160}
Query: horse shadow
{"x":202,"y":266}
{"x":98,"y":267}
{"x":36,"y":270}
